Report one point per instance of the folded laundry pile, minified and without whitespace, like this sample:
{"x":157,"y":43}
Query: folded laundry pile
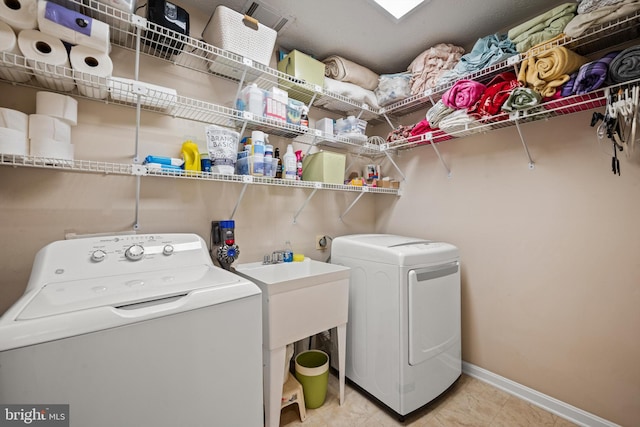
{"x":463,"y":94}
{"x":522,"y":98}
{"x":350,"y":90}
{"x":487,"y":51}
{"x":625,"y":66}
{"x":599,"y":13}
{"x":497,"y":92}
{"x":546,"y":72}
{"x":461,"y":123}
{"x":344,"y":70}
{"x":586,"y":6}
{"x":543,"y":27}
{"x":593,"y":74}
{"x":438,"y":112}
{"x":427,"y":67}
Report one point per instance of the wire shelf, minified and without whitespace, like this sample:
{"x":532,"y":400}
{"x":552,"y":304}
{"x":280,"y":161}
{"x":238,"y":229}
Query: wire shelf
{"x":595,"y":39}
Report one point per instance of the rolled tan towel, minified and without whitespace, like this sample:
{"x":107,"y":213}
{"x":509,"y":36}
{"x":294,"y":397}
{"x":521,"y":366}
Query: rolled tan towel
{"x":341,"y":69}
{"x":549,"y":70}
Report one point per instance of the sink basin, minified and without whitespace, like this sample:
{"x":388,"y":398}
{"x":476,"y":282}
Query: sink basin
{"x":299,"y":299}
{"x":286,"y":276}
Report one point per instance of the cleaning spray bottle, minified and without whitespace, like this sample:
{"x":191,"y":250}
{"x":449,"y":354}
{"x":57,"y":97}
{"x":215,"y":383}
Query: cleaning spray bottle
{"x":299,"y":165}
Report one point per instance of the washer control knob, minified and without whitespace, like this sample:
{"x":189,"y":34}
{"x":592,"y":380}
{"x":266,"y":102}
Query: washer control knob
{"x":134,"y":252}
{"x":98,"y":255}
{"x":167,"y":250}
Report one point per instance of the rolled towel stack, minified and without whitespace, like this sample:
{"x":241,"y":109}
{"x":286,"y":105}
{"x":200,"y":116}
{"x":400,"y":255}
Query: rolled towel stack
{"x":344,"y":70}
{"x":546,"y":72}
{"x":438,"y":112}
{"x":625,"y":66}
{"x":427,"y":67}
{"x":460,"y":123}
{"x":487,"y":51}
{"x":496,"y":94}
{"x":463,"y":94}
{"x":593,"y":74}
{"x":542,"y":27}
{"x":604,"y":13}
{"x":587,"y":6}
{"x":522,"y":98}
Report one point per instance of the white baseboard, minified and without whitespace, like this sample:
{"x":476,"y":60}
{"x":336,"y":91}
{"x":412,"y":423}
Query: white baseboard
{"x":548,"y":403}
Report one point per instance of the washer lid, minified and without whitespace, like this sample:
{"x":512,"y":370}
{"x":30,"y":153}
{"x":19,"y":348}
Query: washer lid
{"x":119,"y":291}
{"x":392,"y":249}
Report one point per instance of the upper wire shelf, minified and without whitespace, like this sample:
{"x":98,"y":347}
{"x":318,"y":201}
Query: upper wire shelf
{"x":595,"y":39}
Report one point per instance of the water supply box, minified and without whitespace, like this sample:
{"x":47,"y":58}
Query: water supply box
{"x":325,"y":166}
{"x":302,"y":67}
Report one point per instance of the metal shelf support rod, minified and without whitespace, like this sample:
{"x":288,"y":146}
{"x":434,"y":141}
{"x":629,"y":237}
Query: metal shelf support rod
{"x":388,"y":121}
{"x":235,"y":208}
{"x":444,"y":164}
{"x":304,"y":205}
{"x":351,"y":205}
{"x":395,"y":165}
{"x":524,"y":144}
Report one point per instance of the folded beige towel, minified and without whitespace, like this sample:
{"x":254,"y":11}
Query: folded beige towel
{"x":341,"y":69}
{"x":578,"y":25}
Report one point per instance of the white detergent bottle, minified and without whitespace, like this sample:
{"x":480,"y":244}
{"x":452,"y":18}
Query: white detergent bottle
{"x":255,"y":100}
{"x":289,"y":162}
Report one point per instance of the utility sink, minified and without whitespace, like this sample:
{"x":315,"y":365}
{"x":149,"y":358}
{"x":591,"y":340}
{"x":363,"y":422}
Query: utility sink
{"x":299,"y":299}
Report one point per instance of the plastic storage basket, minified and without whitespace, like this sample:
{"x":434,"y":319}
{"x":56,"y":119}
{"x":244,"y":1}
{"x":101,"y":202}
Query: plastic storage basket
{"x":241,"y":34}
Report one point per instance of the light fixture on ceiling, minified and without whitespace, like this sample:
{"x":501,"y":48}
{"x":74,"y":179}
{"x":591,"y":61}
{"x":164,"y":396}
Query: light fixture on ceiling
{"x":398,"y":8}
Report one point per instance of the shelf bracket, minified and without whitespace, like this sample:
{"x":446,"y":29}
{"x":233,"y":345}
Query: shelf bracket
{"x":364,"y":190}
{"x":444,"y":164}
{"x":514,"y":116}
{"x":388,"y":121}
{"x":318,"y":185}
{"x":395,"y":165}
{"x":136,"y":221}
{"x":247,"y":179}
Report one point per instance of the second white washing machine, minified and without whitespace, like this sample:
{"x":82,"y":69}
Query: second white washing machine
{"x":403,"y":334}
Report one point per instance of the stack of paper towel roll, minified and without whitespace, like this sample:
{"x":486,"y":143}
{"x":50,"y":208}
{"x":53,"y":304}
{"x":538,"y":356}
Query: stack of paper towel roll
{"x":14,"y":128}
{"x":44,"y":51}
{"x":50,"y":127}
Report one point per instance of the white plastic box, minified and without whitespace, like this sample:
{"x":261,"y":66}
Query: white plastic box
{"x":241,"y":34}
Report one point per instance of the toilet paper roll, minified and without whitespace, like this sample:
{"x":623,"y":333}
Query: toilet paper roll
{"x":20,"y":14}
{"x":91,"y":70}
{"x":13,"y":142}
{"x":50,"y":148}
{"x":9,"y":47}
{"x":47,"y":127}
{"x":47,"y":56}
{"x":73,"y":27}
{"x":62,"y":107}
{"x":14,"y":119}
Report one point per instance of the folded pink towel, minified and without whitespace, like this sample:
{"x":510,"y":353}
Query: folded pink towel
{"x":463,"y":94}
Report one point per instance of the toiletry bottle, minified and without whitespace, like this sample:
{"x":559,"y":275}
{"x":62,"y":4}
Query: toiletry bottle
{"x":299,"y":165}
{"x":289,"y":170}
{"x":268,"y":160}
{"x":257,"y":138}
{"x":276,"y":155}
{"x":304,"y":118}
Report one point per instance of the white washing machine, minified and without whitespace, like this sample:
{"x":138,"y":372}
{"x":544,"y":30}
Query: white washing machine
{"x":403,"y":334}
{"x":137,"y":330}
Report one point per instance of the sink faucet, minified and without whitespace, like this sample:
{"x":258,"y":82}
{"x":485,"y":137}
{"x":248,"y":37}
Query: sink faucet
{"x":275,"y":258}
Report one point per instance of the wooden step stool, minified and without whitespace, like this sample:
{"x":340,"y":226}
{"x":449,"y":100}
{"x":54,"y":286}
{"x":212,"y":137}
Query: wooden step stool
{"x":292,"y":393}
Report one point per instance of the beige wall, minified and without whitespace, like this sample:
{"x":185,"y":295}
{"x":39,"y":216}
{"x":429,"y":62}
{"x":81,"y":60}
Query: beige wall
{"x":550,"y":256}
{"x":551,"y":274}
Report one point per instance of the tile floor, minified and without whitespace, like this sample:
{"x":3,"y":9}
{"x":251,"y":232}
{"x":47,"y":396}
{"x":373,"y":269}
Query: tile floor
{"x":468,"y":403}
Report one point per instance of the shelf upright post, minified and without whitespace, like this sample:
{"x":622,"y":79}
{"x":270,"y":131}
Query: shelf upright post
{"x":139,"y":24}
{"x":246,"y":179}
{"x":429,"y":137}
{"x":364,"y":190}
{"x":514,"y":116}
{"x":395,"y":165}
{"x":317,"y":186}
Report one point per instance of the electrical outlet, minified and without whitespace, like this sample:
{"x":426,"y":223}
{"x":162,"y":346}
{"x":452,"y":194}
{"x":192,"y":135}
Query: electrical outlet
{"x":321,"y":242}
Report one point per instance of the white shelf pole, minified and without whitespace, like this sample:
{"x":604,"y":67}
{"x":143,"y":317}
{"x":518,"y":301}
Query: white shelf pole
{"x":235,"y":208}
{"x":524,"y":144}
{"x":304,"y":205}
{"x":395,"y":165}
{"x":364,"y":190}
{"x":444,"y":164}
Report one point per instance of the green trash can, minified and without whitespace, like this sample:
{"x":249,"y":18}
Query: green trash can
{"x":312,"y":370}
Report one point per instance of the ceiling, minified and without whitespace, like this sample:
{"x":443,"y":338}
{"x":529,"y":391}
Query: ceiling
{"x":361,"y":31}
